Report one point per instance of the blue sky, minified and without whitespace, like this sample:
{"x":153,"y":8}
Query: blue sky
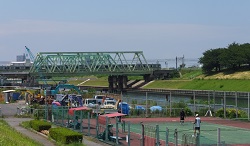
{"x":162,"y":29}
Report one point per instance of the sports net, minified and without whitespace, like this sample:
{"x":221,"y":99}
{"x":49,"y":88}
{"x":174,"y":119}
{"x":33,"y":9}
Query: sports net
{"x":188,"y":140}
{"x":150,"y":135}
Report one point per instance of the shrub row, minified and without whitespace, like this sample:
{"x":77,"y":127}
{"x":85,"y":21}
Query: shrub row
{"x":231,"y":113}
{"x":64,"y":135}
{"x":40,"y":125}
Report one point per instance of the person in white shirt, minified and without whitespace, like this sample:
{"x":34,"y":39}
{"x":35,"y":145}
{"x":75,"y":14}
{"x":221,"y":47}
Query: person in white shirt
{"x":197,"y":124}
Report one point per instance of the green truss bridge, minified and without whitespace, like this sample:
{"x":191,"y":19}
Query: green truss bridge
{"x":91,"y":63}
{"x":117,"y":65}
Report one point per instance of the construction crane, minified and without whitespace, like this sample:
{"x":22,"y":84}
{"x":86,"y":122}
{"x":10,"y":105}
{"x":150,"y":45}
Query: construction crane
{"x":32,"y":57}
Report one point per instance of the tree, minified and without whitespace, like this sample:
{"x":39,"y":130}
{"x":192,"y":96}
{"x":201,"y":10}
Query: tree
{"x":211,"y":60}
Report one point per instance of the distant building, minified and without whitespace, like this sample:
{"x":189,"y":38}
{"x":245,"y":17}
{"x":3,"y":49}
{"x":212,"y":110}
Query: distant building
{"x":20,"y":58}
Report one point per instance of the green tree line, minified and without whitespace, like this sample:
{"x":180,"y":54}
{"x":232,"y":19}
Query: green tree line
{"x":234,"y":57}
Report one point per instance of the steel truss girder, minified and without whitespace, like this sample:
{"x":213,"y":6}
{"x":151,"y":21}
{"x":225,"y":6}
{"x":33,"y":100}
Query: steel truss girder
{"x":85,"y":63}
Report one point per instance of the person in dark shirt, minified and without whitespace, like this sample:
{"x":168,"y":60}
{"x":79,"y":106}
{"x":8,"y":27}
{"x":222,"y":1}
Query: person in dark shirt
{"x":182,"y":116}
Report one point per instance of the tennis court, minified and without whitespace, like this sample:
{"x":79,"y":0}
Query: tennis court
{"x":230,"y":135}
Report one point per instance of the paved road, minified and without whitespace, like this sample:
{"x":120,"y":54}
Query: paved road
{"x":9,"y":110}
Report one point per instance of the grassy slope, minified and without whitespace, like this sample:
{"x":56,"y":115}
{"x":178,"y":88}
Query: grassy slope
{"x":195,"y":80}
{"x":190,"y":79}
{"x":8,"y":136}
{"x":211,"y":84}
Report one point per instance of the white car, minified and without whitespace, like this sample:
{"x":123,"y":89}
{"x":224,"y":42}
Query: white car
{"x":92,"y":103}
{"x":110,"y":104}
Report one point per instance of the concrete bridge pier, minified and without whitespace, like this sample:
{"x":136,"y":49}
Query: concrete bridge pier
{"x":125,"y":82}
{"x":117,"y":83}
{"x":147,"y":78}
{"x":112,"y":83}
{"x":122,"y":82}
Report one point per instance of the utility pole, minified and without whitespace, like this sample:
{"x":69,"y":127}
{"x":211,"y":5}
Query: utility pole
{"x":182,"y":62}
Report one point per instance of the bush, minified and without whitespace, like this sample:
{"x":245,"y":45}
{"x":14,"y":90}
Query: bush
{"x":65,"y":136}
{"x":179,"y":106}
{"x":231,"y":113}
{"x":40,"y":125}
{"x":188,"y":111}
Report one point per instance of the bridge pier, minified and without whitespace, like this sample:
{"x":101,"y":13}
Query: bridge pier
{"x":147,"y":78}
{"x":117,"y":83}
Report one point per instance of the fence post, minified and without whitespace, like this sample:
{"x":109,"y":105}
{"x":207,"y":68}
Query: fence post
{"x":142,"y":134}
{"x":224,"y":104}
{"x":52,"y":114}
{"x":62,"y":116}
{"x":157,"y":136}
{"x":170,"y":100}
{"x":146,"y":104}
{"x":106,"y":130}
{"x":218,"y":136}
{"x":214,"y":100}
{"x":116,"y":130}
{"x":74,"y":119}
{"x":123,"y":126}
{"x":236,"y":104}
{"x":88,"y":123}
{"x":57,"y":115}
{"x":68,"y":119}
{"x":194,"y":108}
{"x":167,"y":133}
{"x":248,"y":107}
{"x":176,"y":137}
{"x":47,"y":112}
{"x":61,"y":111}
{"x":129,"y":133}
{"x":81,"y":121}
{"x":97,"y":126}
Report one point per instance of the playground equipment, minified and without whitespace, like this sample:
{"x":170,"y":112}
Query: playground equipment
{"x":75,"y":112}
{"x":106,"y":120}
{"x":110,"y":133}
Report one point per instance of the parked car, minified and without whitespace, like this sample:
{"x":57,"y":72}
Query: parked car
{"x":92,"y":103}
{"x":109,"y":104}
{"x":99,"y":98}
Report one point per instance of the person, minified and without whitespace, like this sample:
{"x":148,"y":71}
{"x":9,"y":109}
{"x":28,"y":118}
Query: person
{"x":119,"y":117}
{"x":197,"y":124}
{"x":182,"y":116}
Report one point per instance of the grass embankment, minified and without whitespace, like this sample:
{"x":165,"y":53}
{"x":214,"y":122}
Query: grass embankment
{"x":10,"y":137}
{"x":195,"y":80}
{"x":196,"y":84}
{"x":190,"y":79}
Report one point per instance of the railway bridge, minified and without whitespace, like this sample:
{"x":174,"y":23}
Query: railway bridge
{"x":117,"y":65}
